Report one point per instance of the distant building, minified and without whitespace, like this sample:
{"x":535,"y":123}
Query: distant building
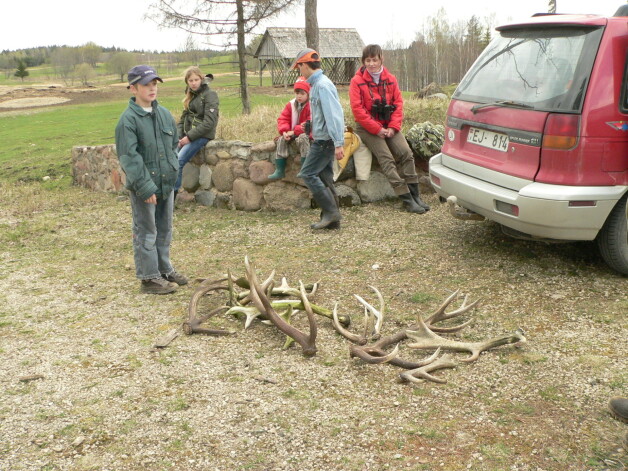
{"x":340,"y":50}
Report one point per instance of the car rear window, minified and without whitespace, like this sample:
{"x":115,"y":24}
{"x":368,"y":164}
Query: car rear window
{"x":545,"y":68}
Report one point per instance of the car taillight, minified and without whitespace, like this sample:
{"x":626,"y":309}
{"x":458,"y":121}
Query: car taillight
{"x":561,"y":131}
{"x":435,"y":179}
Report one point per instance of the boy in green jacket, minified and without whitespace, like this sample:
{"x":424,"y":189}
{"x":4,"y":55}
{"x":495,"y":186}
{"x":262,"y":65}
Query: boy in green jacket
{"x":146,"y":143}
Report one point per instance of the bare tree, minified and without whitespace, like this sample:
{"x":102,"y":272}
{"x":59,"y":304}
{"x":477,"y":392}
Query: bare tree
{"x":226,"y":18}
{"x":120,"y":63}
{"x":311,"y":24}
{"x":551,"y":7}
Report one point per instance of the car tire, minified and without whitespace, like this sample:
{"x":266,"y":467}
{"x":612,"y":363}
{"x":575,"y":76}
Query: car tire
{"x":612,"y":240}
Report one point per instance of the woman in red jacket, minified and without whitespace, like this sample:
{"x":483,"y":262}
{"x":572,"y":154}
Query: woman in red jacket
{"x":290,"y":125}
{"x":377,"y":107}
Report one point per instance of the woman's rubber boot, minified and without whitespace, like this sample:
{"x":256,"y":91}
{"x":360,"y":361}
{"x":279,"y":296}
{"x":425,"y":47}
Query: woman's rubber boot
{"x":410,"y":205}
{"x":414,"y":191}
{"x":331,"y":213}
{"x":280,"y":169}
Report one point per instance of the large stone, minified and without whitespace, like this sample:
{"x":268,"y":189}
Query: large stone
{"x":239,"y":169}
{"x":205,"y":197}
{"x":189,"y":180}
{"x":211,"y":158}
{"x":348,"y":196}
{"x":222,"y":177}
{"x":259,"y":171}
{"x":241,"y":152}
{"x":205,"y":177}
{"x":293,"y":167}
{"x":282,"y":196}
{"x":268,"y":147}
{"x":223,"y":155}
{"x":247,"y":196}
{"x":376,"y":188}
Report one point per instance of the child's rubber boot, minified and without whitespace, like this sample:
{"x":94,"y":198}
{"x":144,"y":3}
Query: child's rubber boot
{"x":280,"y":169}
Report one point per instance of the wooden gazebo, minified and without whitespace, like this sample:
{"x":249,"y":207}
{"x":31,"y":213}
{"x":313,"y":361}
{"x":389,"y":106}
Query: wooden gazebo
{"x":340,"y":50}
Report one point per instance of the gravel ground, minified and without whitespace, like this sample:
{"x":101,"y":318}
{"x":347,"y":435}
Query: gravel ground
{"x":84,"y":389}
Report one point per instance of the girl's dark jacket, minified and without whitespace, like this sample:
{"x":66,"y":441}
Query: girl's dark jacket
{"x":200,"y":119}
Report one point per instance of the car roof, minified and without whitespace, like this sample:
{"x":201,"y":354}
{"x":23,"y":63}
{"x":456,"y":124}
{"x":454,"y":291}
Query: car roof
{"x":559,"y":20}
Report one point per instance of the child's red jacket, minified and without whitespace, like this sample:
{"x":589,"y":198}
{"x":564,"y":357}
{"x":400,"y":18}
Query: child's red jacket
{"x":288,"y":119}
{"x":363,"y":91}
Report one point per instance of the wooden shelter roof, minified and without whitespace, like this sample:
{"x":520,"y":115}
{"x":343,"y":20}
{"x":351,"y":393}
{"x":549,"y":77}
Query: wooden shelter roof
{"x":286,"y":43}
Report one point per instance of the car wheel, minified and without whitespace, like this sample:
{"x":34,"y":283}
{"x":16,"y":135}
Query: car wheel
{"x":613,"y":238}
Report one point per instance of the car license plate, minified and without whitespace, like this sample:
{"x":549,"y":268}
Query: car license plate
{"x":490,"y":139}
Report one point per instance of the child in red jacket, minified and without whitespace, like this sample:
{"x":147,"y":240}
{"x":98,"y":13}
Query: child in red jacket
{"x":291,"y":127}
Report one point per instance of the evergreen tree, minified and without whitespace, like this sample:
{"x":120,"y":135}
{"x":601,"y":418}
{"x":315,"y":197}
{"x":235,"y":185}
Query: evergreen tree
{"x":21,"y":71}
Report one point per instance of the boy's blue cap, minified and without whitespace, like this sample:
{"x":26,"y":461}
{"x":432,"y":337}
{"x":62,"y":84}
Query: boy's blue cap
{"x":142,"y":74}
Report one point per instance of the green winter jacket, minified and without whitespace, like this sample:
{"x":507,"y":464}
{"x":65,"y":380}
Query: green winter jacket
{"x":146,"y":145}
{"x":201,"y":117}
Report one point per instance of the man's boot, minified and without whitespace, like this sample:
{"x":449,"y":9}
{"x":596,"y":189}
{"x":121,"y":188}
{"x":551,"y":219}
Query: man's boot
{"x":414,"y":191}
{"x":410,"y":205}
{"x":280,"y":169}
{"x":331,"y":213}
{"x":334,"y":195}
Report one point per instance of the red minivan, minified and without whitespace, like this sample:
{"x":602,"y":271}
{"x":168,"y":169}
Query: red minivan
{"x":536,"y":136}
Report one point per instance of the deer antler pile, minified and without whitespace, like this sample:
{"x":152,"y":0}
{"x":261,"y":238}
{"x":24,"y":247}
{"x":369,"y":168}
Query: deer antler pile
{"x":249,"y":298}
{"x":255,"y":302}
{"x":424,"y":336}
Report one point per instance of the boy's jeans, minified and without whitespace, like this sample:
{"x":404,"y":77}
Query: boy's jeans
{"x":185,"y":155}
{"x":152,"y":234}
{"x":318,"y":165}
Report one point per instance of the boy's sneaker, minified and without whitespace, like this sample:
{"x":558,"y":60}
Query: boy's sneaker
{"x":157,"y":286}
{"x":177,"y":278}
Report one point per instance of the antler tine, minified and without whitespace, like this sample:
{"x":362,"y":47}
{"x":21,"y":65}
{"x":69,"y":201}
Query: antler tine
{"x":261,"y":301}
{"x":193,"y":324}
{"x":380,"y":319}
{"x":265,"y":284}
{"x":311,"y":339}
{"x":441,"y":315}
{"x":415,"y":376}
{"x":360,"y":340}
{"x":364,"y":355}
{"x":378,"y":316}
{"x":439,"y":312}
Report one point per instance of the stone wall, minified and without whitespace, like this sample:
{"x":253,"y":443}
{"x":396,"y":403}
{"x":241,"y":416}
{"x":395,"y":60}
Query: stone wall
{"x":233,"y":174}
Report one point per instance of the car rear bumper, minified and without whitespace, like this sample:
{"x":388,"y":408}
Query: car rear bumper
{"x":535,"y":209}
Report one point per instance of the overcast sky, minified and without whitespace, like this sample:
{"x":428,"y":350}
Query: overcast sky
{"x":120,"y":23}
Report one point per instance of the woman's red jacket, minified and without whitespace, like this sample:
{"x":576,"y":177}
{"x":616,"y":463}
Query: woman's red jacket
{"x":363,"y":90}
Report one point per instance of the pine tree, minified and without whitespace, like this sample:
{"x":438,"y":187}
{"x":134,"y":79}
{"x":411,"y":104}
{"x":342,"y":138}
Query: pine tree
{"x":21,"y":70}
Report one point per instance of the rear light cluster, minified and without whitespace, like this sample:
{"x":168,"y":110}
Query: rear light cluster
{"x":561,"y":131}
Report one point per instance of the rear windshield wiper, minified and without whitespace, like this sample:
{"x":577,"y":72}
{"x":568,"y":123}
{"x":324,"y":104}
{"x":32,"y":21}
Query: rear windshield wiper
{"x":516,"y":104}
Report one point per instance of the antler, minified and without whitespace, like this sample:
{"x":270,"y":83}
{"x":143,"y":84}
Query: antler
{"x":431,"y":364}
{"x":193,"y":324}
{"x":260,"y":300}
{"x":424,"y":338}
{"x":441,"y":315}
{"x":373,"y":320}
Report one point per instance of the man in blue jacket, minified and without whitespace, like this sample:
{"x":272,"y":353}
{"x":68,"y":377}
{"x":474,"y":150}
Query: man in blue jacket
{"x":328,"y":130}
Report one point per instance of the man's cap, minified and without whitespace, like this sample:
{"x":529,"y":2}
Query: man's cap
{"x":142,"y":74}
{"x":301,"y":84}
{"x":306,"y":55}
